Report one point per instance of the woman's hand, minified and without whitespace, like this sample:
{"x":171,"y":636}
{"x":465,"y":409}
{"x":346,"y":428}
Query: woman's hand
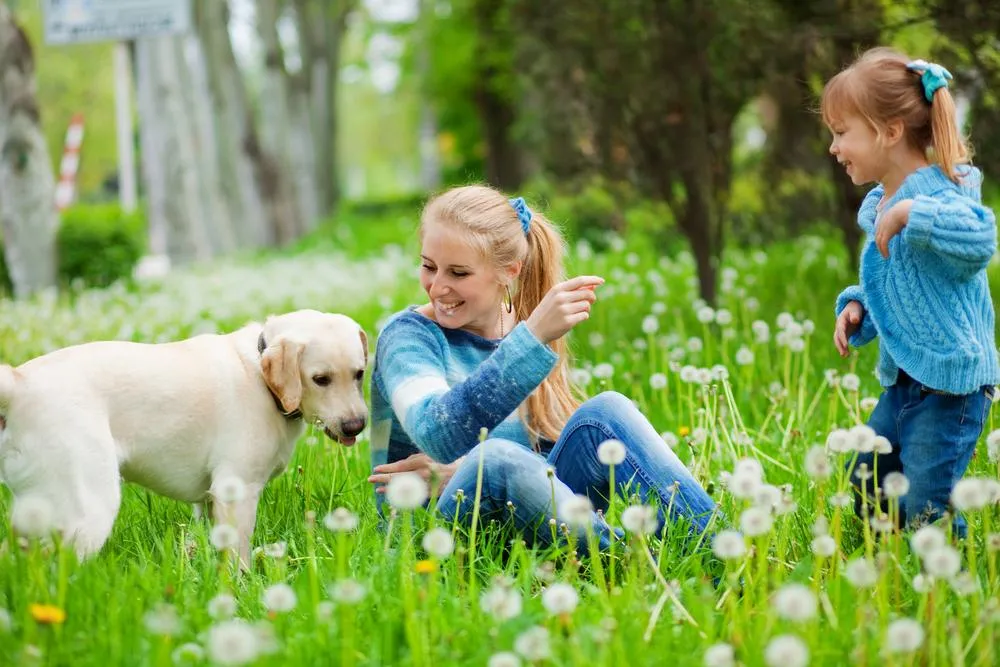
{"x":566,"y":305}
{"x":421,"y":464}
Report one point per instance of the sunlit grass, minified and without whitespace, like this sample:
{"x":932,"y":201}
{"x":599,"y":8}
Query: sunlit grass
{"x":747,"y":393}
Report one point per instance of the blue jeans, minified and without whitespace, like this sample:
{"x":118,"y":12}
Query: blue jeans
{"x":933,"y":436}
{"x":513,"y":473}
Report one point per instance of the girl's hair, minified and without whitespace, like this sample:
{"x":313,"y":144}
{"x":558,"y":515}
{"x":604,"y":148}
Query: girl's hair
{"x":491,"y":225}
{"x":880,"y":88}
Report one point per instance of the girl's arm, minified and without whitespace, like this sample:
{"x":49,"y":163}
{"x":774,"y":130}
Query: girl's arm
{"x":444,"y":421}
{"x":957,"y":229}
{"x":867,"y":331}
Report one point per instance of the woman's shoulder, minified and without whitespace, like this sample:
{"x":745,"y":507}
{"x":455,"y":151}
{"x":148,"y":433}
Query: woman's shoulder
{"x":408,"y":324}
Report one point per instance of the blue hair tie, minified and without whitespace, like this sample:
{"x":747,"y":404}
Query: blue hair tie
{"x":932,"y":76}
{"x":523,"y":213}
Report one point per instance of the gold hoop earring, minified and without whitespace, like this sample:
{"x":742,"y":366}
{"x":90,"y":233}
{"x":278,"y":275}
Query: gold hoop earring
{"x":509,"y":300}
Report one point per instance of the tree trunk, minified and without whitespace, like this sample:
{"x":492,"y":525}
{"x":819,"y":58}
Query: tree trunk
{"x":168,"y":126}
{"x":28,"y":218}
{"x":229,"y":104}
{"x":496,"y":112}
{"x":275,"y":125}
{"x":321,"y":27}
{"x":219,"y":220}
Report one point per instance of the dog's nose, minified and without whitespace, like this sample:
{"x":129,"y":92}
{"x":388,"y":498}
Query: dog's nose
{"x":351,"y":427}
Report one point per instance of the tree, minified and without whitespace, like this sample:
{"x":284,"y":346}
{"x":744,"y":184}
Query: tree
{"x":649,"y":90}
{"x":28,"y":216}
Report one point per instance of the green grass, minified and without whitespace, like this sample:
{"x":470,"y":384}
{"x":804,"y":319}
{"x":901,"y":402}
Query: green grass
{"x":773,"y":409}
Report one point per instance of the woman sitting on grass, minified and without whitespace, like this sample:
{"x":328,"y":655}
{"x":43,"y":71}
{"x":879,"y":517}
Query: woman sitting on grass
{"x":488,"y":351}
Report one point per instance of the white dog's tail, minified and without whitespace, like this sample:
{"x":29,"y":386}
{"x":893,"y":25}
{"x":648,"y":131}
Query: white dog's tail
{"x":7,"y":381}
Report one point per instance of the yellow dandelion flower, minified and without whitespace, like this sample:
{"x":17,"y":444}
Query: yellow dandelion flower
{"x":684,"y":431}
{"x":47,"y":614}
{"x":425,"y":566}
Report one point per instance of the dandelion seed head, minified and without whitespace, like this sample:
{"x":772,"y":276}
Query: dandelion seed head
{"x":32,"y":516}
{"x":560,"y":598}
{"x":850,"y":382}
{"x":225,"y":536}
{"x":576,"y":511}
{"x":406,"y":491}
{"x":640,"y":519}
{"x":729,"y":545}
{"x":904,"y":635}
{"x":229,"y":489}
{"x":341,"y":520}
{"x":504,"y":659}
{"x":501,"y":601}
{"x":163,"y":621}
{"x":895,"y":485}
{"x":861,"y":573}
{"x":533,"y":644}
{"x":347,"y":591}
{"x":438,"y":542}
{"x":926,"y":539}
{"x":611,"y":452}
{"x":817,"y":464}
{"x":795,"y":602}
{"x":279,"y":598}
{"x":720,"y":655}
{"x":970,"y":494}
{"x":864,"y":438}
{"x":786,"y":651}
{"x":943,"y":562}
{"x":232,"y":642}
{"x":756,"y":521}
{"x":824,"y":546}
{"x":222,"y":606}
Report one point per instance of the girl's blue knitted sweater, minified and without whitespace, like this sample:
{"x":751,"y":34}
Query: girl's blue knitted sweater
{"x":434,"y":388}
{"x":929,"y":302}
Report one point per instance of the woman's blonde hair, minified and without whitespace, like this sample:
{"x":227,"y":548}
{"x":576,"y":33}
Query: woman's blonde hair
{"x":880,"y":88}
{"x":492,"y":227}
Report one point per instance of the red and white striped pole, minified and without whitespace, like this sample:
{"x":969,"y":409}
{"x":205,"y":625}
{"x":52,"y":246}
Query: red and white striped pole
{"x":70,"y":162}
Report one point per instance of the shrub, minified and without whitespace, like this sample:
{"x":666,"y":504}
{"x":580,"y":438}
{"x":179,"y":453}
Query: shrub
{"x":96,"y":244}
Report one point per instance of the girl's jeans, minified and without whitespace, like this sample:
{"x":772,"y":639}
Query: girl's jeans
{"x":933,"y":436}
{"x":512,"y":473}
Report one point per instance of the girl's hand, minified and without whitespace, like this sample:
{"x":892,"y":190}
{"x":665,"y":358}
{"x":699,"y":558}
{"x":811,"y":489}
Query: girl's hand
{"x":848,"y":322}
{"x":421,"y":464}
{"x":891,"y":223}
{"x":566,"y":305}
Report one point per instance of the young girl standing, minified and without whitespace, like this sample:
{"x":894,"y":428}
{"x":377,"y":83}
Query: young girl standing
{"x":923,"y":289}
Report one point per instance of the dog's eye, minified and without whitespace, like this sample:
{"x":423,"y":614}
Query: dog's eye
{"x":321,"y":380}
{"x":359,"y":376}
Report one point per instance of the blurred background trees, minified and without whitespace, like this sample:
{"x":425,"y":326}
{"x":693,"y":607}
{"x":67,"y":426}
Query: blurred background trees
{"x":691,"y":124}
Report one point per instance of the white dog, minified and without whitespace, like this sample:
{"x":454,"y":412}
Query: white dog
{"x":181,"y":419}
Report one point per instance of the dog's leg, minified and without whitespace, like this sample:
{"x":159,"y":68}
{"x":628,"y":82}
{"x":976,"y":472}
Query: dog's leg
{"x":76,"y":477}
{"x":243,"y":515}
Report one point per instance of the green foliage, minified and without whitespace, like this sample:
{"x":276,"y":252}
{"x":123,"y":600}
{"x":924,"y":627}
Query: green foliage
{"x":99,"y":244}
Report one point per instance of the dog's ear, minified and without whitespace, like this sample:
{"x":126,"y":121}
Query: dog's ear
{"x":364,"y":343}
{"x":280,"y":365}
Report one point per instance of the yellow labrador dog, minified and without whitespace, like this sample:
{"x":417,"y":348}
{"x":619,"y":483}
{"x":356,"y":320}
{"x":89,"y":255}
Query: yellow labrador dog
{"x":182,"y":419}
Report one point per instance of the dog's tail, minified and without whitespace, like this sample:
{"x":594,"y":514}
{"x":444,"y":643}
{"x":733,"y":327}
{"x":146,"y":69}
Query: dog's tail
{"x":8,"y":379}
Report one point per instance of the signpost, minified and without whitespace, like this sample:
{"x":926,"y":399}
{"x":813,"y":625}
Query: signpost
{"x":75,"y":21}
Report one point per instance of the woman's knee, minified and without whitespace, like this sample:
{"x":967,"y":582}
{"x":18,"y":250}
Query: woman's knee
{"x":501,"y":456}
{"x":608,"y":405}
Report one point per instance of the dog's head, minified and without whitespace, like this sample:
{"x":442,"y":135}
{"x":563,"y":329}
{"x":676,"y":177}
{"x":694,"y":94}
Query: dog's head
{"x":315,"y":363}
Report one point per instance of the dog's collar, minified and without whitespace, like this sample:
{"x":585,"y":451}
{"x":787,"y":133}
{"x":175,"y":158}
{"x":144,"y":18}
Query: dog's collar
{"x":294,"y":414}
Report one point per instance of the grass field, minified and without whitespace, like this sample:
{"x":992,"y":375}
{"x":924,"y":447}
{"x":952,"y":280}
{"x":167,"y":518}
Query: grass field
{"x":756,"y":379}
